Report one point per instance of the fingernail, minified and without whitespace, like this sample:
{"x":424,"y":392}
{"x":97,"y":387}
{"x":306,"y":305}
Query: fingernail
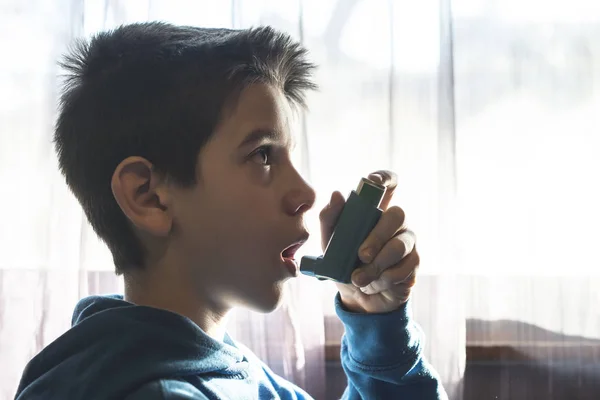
{"x":367,"y":254}
{"x":361,"y":278}
{"x":331,"y":199}
{"x":377,"y":177}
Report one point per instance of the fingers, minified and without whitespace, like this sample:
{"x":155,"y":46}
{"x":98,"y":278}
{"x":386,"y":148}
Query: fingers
{"x":399,"y":295}
{"x":391,"y":221}
{"x":394,"y":251}
{"x":396,"y":279}
{"x":388,"y":179}
{"x":329,"y":216}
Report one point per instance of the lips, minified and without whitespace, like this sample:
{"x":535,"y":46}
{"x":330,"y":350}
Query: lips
{"x":290,"y":251}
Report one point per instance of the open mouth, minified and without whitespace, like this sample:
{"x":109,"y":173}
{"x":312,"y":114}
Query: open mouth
{"x":288,"y":254}
{"x":290,"y":251}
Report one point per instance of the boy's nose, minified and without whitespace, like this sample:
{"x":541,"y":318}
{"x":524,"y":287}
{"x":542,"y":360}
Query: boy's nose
{"x":299,"y":199}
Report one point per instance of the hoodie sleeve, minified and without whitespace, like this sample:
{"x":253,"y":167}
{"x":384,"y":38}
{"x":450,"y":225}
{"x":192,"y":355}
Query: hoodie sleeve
{"x":167,"y":389}
{"x":382,"y":357}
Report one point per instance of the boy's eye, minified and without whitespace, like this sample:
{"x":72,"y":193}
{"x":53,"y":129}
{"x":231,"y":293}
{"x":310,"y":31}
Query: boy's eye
{"x":262,"y":155}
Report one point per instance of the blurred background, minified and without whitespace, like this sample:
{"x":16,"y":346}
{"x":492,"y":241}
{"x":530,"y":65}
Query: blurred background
{"x":488,"y":110}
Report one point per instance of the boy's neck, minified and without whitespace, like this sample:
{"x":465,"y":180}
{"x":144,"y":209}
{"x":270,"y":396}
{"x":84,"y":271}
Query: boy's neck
{"x":164,"y":291}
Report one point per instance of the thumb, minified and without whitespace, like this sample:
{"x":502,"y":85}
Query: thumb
{"x":364,"y":275}
{"x":329,"y":216}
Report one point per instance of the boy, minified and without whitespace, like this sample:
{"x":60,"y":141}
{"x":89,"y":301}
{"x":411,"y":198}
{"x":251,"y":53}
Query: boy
{"x":176,"y":142}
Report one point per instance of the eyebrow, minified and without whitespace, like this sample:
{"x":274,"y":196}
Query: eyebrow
{"x":263,"y":135}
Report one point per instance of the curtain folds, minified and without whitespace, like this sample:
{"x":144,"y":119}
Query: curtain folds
{"x":487,"y":111}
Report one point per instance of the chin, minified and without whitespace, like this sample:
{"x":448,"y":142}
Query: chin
{"x":268,"y":300}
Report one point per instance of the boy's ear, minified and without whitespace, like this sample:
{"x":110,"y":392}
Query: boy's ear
{"x":142,"y":195}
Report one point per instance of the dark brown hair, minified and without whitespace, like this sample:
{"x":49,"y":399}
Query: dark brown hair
{"x":157,"y":91}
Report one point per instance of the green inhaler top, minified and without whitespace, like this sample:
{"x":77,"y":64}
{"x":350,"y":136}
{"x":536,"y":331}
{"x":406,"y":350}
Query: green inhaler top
{"x":357,"y":219}
{"x":370,"y":191}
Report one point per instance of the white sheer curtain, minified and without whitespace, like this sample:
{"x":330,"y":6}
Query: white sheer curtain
{"x":528,"y":166}
{"x":377,"y":109}
{"x":487,"y":113}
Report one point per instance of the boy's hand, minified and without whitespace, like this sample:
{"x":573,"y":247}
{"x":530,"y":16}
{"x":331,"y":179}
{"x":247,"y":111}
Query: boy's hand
{"x":391,"y":260}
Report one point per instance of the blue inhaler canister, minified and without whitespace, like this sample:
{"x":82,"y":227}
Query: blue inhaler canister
{"x":357,"y":219}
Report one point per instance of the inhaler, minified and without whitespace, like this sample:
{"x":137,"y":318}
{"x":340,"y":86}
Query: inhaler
{"x":357,"y":219}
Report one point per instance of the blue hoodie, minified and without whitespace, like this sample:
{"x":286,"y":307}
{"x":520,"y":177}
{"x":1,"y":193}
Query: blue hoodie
{"x":117,"y":350}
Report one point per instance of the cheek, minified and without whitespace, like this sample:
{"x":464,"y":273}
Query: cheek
{"x":250,"y":208}
{"x":232,"y":221}
{"x":242,"y":228}
{"x":246,"y":227}
{"x":259,"y":175}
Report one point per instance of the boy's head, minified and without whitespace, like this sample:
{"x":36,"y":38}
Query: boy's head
{"x":176,"y":142}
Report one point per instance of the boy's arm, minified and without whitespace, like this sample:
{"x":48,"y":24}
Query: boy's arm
{"x":382,"y":356}
{"x":167,"y":389}
{"x":382,"y":346}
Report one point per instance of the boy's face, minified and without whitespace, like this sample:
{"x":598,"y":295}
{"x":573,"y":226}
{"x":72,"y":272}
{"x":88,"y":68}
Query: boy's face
{"x":230,"y":229}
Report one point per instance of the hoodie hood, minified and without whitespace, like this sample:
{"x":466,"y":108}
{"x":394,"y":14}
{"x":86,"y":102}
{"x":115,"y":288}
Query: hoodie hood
{"x":115,"y":346}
